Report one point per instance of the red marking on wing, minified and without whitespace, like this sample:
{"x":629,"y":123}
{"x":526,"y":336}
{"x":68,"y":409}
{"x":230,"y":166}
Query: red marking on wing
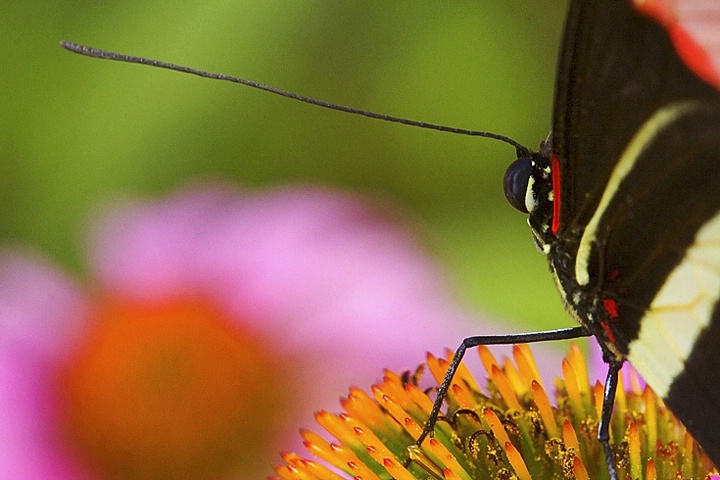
{"x":555,"y":167}
{"x":611,"y":307}
{"x":608,"y":331}
{"x":693,"y":27}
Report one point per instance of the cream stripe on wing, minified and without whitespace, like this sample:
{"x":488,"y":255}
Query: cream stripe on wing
{"x":680,"y":311}
{"x":662,"y":119}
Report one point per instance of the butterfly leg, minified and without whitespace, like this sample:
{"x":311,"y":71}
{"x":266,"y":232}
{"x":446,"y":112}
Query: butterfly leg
{"x":611,"y":383}
{"x":476,"y":341}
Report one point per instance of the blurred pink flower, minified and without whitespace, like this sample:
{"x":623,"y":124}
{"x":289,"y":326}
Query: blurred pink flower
{"x":216,"y":322}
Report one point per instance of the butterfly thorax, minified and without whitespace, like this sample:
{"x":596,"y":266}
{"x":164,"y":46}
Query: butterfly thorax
{"x":529,"y":188}
{"x":590,"y":305}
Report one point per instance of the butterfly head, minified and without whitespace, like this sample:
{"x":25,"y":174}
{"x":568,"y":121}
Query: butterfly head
{"x":528,"y":188}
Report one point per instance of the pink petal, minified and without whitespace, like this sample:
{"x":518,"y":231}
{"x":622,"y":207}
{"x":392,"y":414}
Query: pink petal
{"x":41,"y":312}
{"x":150,"y":249}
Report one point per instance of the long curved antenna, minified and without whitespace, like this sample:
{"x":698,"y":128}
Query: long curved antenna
{"x":121,"y":57}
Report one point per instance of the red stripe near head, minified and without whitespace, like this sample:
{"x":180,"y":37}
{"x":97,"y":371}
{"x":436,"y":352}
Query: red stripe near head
{"x":555,"y":167}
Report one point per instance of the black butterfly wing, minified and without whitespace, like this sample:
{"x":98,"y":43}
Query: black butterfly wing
{"x":617,"y":67}
{"x":636,"y":154}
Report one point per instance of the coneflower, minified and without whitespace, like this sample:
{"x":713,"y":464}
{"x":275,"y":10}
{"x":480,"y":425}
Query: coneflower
{"x":509,"y":431}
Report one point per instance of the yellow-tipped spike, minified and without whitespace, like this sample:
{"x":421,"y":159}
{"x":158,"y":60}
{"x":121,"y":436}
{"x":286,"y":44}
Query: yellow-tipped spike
{"x":462,"y":396}
{"x":419,"y":398}
{"x":579,"y":469}
{"x":487,"y":359}
{"x":620,"y":397}
{"x":545,"y":410}
{"x":571,"y":385}
{"x":396,"y":470}
{"x":570,"y":437}
{"x":650,"y":420}
{"x":322,"y":449}
{"x":359,"y":401}
{"x":395,"y":389}
{"x":517,"y":462}
{"x":336,"y":426}
{"x":650,"y":472}
{"x":517,"y":383}
{"x":437,"y":371}
{"x":361,"y":470}
{"x":315,"y":469}
{"x":463,"y":374}
{"x":451,"y":475}
{"x":371,"y":441}
{"x":526,"y":363}
{"x":504,"y":387}
{"x":289,"y":472}
{"x":634,"y":451}
{"x":496,"y":426}
{"x":447,"y":458}
{"x":579,"y":367}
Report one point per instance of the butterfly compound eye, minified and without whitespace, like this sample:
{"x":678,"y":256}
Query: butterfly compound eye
{"x":515,"y":184}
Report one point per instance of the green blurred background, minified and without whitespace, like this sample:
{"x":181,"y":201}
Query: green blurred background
{"x":77,"y":132}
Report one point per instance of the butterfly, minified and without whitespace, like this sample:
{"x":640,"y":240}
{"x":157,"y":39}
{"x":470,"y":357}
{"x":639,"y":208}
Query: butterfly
{"x":623,"y":198}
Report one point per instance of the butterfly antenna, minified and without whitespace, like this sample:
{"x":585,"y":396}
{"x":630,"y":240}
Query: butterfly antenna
{"x":121,"y":57}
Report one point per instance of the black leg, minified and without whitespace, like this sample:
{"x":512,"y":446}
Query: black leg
{"x":611,"y":383}
{"x":470,"y":342}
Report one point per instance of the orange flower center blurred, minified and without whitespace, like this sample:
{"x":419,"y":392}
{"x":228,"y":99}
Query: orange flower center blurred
{"x":173,"y":390}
